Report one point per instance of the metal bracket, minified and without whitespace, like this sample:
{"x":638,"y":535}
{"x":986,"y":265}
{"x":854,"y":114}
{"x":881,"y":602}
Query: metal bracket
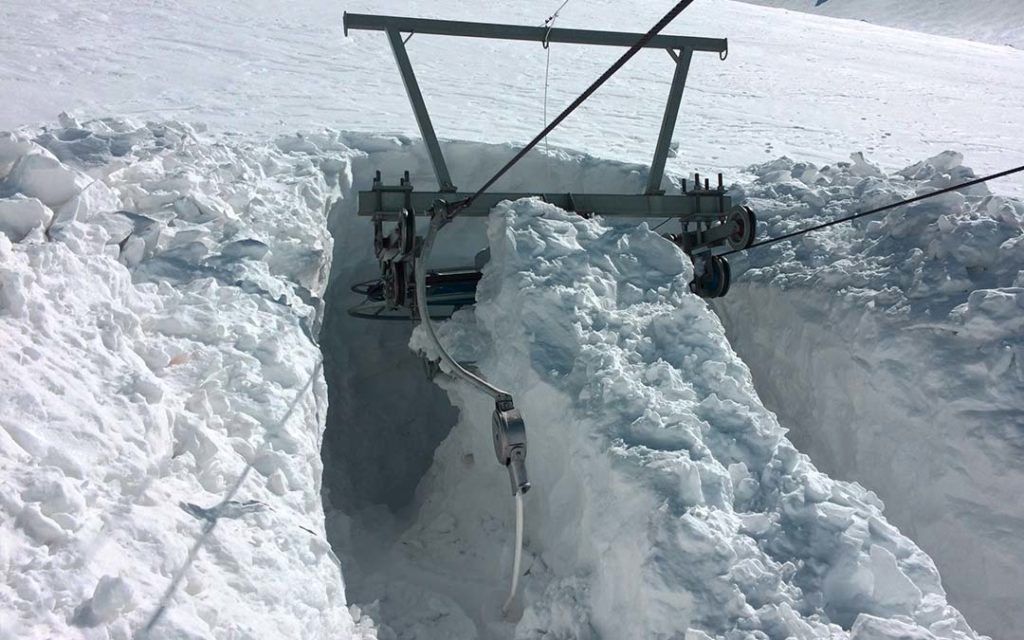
{"x":668,"y":122}
{"x":509,"y":432}
{"x":419,"y":109}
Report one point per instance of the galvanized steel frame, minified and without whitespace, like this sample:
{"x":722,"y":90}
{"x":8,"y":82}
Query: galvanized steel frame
{"x":680,"y":47}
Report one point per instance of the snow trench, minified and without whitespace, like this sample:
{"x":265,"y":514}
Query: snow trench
{"x":383,"y":396}
{"x":160,"y":300}
{"x":894,"y":353}
{"x":667,"y":500}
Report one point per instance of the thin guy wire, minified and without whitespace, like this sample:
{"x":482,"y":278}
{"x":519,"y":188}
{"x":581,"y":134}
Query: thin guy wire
{"x":212,"y":522}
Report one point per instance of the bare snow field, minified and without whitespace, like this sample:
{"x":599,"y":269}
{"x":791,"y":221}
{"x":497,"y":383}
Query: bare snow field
{"x":994,"y":21}
{"x":804,"y":86}
{"x":178,"y":364}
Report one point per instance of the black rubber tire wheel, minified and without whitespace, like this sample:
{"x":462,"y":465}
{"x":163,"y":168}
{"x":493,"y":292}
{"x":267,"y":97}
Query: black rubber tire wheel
{"x":714,"y":282}
{"x":728,"y":277}
{"x":406,"y":232}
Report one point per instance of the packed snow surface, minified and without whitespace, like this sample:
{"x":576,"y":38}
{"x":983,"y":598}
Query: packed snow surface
{"x":993,"y":21}
{"x":794,"y":84}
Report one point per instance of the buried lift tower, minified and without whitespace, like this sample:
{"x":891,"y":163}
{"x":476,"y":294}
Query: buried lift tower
{"x":712,"y":228}
{"x":711,"y":225}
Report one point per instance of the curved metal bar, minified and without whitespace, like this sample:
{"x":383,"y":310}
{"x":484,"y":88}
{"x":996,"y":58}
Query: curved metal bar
{"x":436,"y":222}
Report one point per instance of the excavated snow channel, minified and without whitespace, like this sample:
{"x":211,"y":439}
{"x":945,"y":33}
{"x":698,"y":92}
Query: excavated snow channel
{"x":387,"y":418}
{"x":666,"y":496}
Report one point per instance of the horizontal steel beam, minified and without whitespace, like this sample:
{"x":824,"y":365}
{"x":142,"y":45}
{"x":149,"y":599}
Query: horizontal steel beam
{"x":705,"y":205}
{"x":365,"y":22}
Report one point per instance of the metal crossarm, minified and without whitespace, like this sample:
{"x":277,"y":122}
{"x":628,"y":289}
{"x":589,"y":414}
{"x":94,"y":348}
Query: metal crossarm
{"x":387,"y":203}
{"x":360,"y":21}
{"x":668,"y":122}
{"x":419,"y":109}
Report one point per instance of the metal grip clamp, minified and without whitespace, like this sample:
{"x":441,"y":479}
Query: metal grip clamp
{"x":509,"y":432}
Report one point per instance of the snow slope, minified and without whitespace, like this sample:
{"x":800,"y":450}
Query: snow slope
{"x":156,"y":349}
{"x":993,"y":21}
{"x":794,"y":84}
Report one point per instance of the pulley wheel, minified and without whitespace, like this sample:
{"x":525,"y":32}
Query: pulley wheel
{"x":746,"y":228}
{"x":406,"y":232}
{"x":395,"y":284}
{"x":379,"y":245}
{"x":714,"y":282}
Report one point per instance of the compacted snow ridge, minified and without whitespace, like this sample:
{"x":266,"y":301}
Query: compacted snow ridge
{"x":159,"y":292}
{"x":894,"y":350}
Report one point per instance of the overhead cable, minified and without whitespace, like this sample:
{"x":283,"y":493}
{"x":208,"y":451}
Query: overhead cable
{"x":831,"y":223}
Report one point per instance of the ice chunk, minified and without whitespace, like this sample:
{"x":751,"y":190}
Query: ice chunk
{"x":868,"y":627}
{"x":40,"y":175}
{"x":111,"y":596}
{"x":863,"y":168}
{"x":994,"y":313}
{"x":249,"y":248}
{"x":12,"y":147}
{"x":20,"y":215}
{"x":38,"y":526}
{"x":893,"y":590}
{"x":942,"y":163}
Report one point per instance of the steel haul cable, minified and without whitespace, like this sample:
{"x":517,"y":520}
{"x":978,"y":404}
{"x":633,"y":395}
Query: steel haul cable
{"x":612,"y":70}
{"x":550,"y":24}
{"x":831,"y":223}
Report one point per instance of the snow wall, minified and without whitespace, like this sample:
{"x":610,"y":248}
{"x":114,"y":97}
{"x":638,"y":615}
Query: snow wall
{"x":894,"y":351}
{"x":666,"y":497}
{"x":159,"y":291}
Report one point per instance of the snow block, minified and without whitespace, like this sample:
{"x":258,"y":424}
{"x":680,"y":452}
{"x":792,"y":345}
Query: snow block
{"x":19,"y":216}
{"x":111,"y":596}
{"x":39,"y":174}
{"x":12,"y":147}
